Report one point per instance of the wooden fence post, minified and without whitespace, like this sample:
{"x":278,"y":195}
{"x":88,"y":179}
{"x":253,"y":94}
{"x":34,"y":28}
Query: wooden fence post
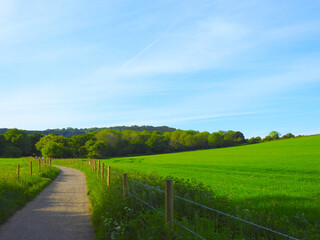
{"x":169,"y":205}
{"x":98,"y":169}
{"x":102,"y":171}
{"x":18,"y":170}
{"x":108,"y":176}
{"x":30,"y":168}
{"x":125,"y":180}
{"x":39,"y":165}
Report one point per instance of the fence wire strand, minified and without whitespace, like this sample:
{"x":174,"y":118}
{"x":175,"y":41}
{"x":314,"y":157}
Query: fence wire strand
{"x":189,"y":230}
{"x":237,"y":218}
{"x":147,"y":186}
{"x":201,"y":205}
{"x":144,"y":202}
{"x":115,"y":173}
{"x":158,"y":210}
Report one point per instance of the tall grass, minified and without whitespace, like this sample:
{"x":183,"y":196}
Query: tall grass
{"x":16,"y":192}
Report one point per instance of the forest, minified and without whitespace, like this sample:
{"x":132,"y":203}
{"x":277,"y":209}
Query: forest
{"x":113,"y":143}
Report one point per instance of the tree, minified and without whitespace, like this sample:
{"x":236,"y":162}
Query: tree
{"x":254,"y":140}
{"x":273,"y":135}
{"x":177,"y":140}
{"x":11,"y":151}
{"x":54,"y":145}
{"x":215,"y":140}
{"x":34,"y":138}
{"x":157,"y":143}
{"x":288,"y":135}
{"x":97,"y":150}
{"x":19,"y":139}
{"x":2,"y":143}
{"x":55,"y":150}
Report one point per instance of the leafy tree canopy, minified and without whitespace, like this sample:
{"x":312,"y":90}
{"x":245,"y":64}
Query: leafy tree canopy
{"x":19,"y":139}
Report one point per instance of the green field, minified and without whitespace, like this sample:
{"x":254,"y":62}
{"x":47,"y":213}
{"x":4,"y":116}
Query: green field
{"x":15,"y":192}
{"x":273,"y":183}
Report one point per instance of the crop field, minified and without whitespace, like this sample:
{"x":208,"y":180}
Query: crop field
{"x":275,"y":184}
{"x":15,"y":192}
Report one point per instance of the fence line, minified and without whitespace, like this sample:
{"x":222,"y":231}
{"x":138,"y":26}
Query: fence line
{"x":218,"y":211}
{"x":200,"y":205}
{"x":237,"y":218}
{"x":158,"y":210}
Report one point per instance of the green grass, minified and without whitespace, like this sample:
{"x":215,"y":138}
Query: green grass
{"x":16,"y":192}
{"x":275,"y":184}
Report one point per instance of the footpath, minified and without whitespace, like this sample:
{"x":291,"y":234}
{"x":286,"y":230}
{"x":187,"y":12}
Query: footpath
{"x":61,"y":211}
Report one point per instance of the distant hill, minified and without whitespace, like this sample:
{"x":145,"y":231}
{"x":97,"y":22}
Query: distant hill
{"x":69,"y":132}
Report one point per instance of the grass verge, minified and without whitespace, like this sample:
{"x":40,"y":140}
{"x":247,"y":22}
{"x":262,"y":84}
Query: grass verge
{"x":16,"y":192}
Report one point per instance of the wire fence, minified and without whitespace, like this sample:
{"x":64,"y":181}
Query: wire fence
{"x":158,"y":210}
{"x":203,"y":206}
{"x":129,"y":191}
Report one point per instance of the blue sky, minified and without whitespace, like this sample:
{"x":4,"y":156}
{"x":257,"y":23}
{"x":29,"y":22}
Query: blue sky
{"x":251,"y":66}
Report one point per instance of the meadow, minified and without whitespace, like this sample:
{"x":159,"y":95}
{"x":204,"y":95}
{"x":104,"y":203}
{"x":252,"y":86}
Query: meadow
{"x":16,"y":192}
{"x":275,"y":184}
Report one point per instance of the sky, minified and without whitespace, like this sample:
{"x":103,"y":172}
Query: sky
{"x":250,"y":66}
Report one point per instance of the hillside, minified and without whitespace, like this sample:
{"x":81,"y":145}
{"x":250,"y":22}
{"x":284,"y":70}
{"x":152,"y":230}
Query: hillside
{"x":273,"y":183}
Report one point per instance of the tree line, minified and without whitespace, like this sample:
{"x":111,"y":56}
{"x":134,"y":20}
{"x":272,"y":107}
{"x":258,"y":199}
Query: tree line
{"x":69,"y":132}
{"x":111,"y":143}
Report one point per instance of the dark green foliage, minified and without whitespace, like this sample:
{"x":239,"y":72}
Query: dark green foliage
{"x":69,"y":132}
{"x":97,"y":150}
{"x":2,"y":144}
{"x":112,"y":143}
{"x":254,"y":140}
{"x":18,"y":139}
{"x":215,"y":140}
{"x":288,"y":135}
{"x":157,"y":143}
{"x":34,"y":138}
{"x":11,"y":151}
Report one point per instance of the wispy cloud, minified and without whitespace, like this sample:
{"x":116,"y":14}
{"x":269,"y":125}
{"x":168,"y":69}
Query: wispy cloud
{"x":218,"y":60}
{"x":207,"y":44}
{"x":146,"y":48}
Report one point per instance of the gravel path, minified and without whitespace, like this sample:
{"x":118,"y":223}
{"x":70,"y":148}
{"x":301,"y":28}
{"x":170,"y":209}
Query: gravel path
{"x":61,"y":211}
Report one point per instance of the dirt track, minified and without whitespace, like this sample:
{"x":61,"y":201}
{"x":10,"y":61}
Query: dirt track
{"x":61,"y":211}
